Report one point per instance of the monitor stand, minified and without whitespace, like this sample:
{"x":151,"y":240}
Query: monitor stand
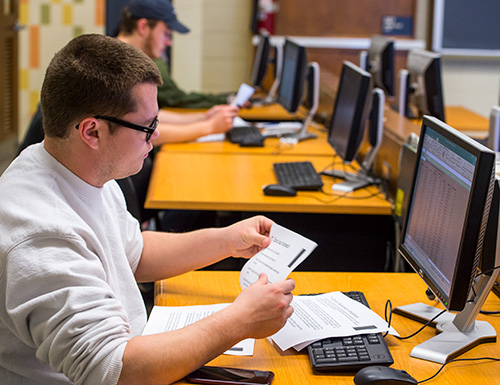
{"x":312,"y":79}
{"x":351,"y":181}
{"x":453,"y":338}
{"x":461,"y":332}
{"x":298,"y":131}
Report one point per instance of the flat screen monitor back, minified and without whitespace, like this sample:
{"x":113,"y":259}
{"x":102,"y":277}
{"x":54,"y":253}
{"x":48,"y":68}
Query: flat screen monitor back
{"x":293,"y":71}
{"x":425,"y":90}
{"x":261,"y":60}
{"x":350,"y":112}
{"x":381,"y":63}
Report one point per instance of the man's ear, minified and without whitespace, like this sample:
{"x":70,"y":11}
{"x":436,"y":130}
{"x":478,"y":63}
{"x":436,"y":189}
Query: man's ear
{"x":90,"y":132}
{"x":142,"y":26}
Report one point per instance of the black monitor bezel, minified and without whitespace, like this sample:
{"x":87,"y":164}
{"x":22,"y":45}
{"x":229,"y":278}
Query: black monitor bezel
{"x":469,"y":258}
{"x":382,"y":49}
{"x":358,"y":125}
{"x":292,"y":102}
{"x":260,"y":61}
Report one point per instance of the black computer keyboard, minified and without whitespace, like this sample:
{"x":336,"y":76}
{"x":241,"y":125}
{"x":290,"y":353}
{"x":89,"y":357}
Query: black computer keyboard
{"x":299,"y":175}
{"x":246,"y":136}
{"x":347,"y":354}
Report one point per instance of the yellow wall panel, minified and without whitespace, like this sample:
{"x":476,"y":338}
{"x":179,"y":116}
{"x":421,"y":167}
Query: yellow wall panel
{"x":23,"y":79}
{"x":67,"y":15}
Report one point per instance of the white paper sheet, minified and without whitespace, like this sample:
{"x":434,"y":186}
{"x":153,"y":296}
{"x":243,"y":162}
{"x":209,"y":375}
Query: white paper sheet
{"x":168,"y":318}
{"x":244,"y":93}
{"x":239,"y":122}
{"x":211,"y":138}
{"x":286,"y":251}
{"x":327,"y":315}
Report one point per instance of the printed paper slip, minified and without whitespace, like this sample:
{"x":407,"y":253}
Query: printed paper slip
{"x":168,"y":318}
{"x":286,"y":251}
{"x":244,"y":93}
{"x":327,"y":315}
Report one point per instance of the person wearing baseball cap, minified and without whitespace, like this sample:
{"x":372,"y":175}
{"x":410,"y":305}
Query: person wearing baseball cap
{"x":148,"y":24}
{"x":154,"y":9}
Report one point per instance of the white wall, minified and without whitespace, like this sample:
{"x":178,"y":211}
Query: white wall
{"x":471,"y":82}
{"x":216,"y":55}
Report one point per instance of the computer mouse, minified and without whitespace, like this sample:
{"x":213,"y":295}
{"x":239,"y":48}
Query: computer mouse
{"x":279,"y":190}
{"x":382,"y":375}
{"x":251,"y":142}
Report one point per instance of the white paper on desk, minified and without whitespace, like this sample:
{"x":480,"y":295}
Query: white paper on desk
{"x":238,"y":122}
{"x":244,"y":93}
{"x":211,"y":138}
{"x":167,"y":318}
{"x":286,"y":251}
{"x":327,"y":315}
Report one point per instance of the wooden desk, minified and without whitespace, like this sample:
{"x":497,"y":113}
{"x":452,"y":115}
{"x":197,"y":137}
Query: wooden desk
{"x":291,"y":367}
{"x":310,"y":147}
{"x":234,"y":182}
{"x":271,"y":112}
{"x":274,"y":111}
{"x":467,"y":121}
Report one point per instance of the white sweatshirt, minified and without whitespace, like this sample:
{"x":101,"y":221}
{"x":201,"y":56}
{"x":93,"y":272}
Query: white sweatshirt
{"x":68,"y":298}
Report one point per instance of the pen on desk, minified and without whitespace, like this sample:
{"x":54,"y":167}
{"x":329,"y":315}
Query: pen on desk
{"x":296,"y":258}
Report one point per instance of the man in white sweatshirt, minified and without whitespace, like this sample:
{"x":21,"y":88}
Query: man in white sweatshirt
{"x":71,"y":254}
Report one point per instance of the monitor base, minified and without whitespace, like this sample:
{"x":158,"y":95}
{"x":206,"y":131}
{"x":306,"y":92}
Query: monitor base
{"x":352,"y":181}
{"x":450,"y":342}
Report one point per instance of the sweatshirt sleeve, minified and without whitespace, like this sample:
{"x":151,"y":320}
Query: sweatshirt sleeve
{"x":59,"y":304}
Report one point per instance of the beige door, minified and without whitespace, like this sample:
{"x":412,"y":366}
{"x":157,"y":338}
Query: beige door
{"x":8,"y":80}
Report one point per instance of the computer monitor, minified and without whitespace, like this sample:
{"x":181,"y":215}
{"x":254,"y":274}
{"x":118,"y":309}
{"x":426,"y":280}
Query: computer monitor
{"x":351,"y":110}
{"x":422,"y":90}
{"x":299,"y":82}
{"x":380,"y":63}
{"x":293,"y":72}
{"x":494,"y":129}
{"x":443,"y":236}
{"x":260,"y":60}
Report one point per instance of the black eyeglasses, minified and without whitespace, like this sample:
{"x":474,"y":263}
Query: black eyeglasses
{"x":148,"y":130}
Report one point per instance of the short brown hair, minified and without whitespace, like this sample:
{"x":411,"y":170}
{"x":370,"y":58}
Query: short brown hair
{"x":128,"y":23}
{"x":92,"y":75}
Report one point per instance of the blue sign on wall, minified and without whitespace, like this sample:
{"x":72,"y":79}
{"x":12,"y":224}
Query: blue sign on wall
{"x":397,"y":25}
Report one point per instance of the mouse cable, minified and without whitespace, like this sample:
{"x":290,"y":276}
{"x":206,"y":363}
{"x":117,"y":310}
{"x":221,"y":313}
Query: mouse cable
{"x":458,"y":360}
{"x":388,"y":319}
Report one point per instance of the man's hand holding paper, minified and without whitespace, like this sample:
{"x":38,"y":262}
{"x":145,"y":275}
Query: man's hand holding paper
{"x":285,"y":252}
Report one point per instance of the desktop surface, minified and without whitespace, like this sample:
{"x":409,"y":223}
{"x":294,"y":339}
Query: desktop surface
{"x":312,"y":147}
{"x":226,"y":181}
{"x":291,"y":367}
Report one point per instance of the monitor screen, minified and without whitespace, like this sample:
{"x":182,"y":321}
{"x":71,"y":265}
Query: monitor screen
{"x":424,"y":89}
{"x":447,"y":211}
{"x":260,"y":61}
{"x":350,"y":111}
{"x":380,"y":63}
{"x":293,"y":72}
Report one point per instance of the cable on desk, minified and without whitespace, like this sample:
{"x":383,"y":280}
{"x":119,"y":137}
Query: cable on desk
{"x":388,"y":319}
{"x":458,"y":360}
{"x":278,"y":148}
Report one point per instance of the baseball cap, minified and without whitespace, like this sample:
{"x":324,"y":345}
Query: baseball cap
{"x":157,"y":10}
